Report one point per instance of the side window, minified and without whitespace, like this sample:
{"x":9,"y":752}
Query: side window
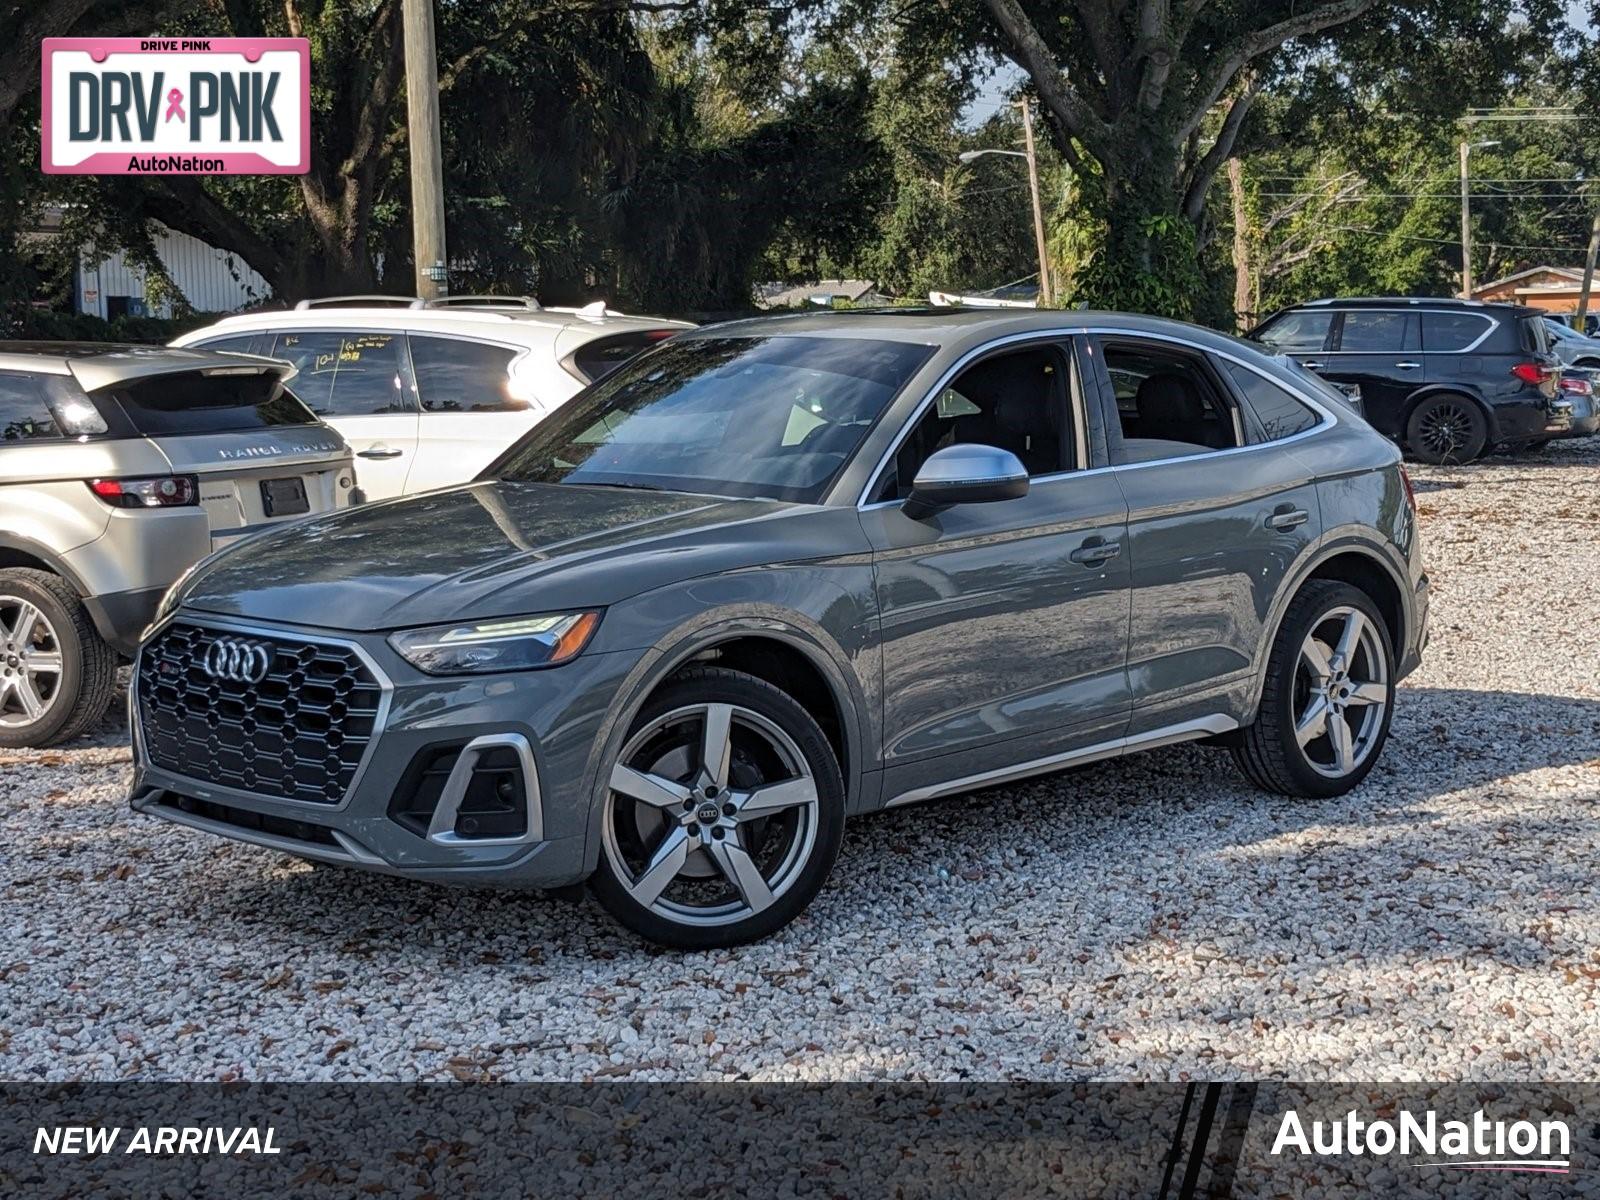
{"x":1301,"y":332}
{"x":1373,"y":332}
{"x":455,"y":376}
{"x":1016,"y":401}
{"x":347,"y":374}
{"x":1451,"y":331}
{"x":1168,"y":404}
{"x":239,"y":343}
{"x":24,"y":415}
{"x":1280,"y":414}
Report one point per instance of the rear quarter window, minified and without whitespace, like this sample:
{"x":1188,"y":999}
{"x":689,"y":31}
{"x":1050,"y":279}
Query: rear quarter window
{"x":197,"y":403}
{"x":1279,"y":413}
{"x":1447,"y":331}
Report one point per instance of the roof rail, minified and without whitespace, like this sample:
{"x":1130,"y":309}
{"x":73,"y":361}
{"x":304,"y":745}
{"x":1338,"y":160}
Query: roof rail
{"x":367,"y":301}
{"x":518,"y":303}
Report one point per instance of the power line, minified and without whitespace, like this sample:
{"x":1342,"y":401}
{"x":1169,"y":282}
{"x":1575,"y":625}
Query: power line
{"x":1414,"y":237}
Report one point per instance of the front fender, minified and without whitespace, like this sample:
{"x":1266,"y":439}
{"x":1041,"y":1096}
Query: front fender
{"x":833,"y":625}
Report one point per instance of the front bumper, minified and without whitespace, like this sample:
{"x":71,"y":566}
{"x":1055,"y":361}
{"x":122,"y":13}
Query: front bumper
{"x":549,"y":721}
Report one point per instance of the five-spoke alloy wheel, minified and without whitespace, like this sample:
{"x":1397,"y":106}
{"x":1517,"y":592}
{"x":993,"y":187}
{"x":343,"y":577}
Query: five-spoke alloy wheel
{"x":723,"y":815}
{"x":1329,"y":692}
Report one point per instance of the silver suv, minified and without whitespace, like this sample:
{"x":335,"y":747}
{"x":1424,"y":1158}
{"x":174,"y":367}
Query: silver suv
{"x":120,"y":468}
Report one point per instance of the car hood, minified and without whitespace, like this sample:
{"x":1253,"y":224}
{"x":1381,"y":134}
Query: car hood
{"x":478,"y":551}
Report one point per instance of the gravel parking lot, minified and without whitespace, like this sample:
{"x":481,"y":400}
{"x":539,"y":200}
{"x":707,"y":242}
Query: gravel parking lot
{"x":1153,"y":918}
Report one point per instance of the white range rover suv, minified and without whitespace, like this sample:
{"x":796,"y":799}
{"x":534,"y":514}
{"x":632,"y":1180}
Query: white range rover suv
{"x":429,"y":392}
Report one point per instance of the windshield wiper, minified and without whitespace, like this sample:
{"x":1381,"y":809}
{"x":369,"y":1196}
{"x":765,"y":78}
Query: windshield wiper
{"x":632,"y":487}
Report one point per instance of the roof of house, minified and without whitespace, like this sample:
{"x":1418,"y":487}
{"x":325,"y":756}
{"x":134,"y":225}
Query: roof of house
{"x":1575,"y":274}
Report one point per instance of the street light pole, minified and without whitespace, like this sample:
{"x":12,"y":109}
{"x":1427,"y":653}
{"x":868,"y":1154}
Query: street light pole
{"x":1466,"y":219}
{"x":1045,"y":296}
{"x":427,"y":171}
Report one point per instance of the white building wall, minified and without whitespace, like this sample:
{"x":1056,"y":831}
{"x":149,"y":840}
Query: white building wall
{"x":212,"y":280}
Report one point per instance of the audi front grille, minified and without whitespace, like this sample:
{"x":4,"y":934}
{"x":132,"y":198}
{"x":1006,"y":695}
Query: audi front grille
{"x":272,"y":715}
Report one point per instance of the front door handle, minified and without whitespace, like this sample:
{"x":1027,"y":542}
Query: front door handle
{"x":1312,"y":366}
{"x":1407,"y":366}
{"x":379,"y":452}
{"x":1096,"y":551}
{"x":1286,"y":517}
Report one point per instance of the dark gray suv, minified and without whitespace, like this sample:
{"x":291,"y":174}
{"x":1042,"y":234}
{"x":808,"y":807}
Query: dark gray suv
{"x":778,"y":572}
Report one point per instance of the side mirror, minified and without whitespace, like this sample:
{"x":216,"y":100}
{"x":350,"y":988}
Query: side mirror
{"x":970,"y":474}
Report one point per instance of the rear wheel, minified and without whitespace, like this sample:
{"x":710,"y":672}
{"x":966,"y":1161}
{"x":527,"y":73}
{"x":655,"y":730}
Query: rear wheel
{"x":56,"y":676}
{"x":724,"y":813}
{"x":1447,"y":429}
{"x":1325,"y":710}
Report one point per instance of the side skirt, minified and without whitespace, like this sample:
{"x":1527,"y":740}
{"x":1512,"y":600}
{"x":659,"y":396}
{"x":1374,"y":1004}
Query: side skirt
{"x":1184,"y":731}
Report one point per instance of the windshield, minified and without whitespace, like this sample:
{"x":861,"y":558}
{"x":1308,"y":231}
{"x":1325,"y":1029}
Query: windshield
{"x":769,"y":416}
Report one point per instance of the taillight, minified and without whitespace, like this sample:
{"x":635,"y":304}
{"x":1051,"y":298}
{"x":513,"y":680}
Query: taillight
{"x":162,"y":491}
{"x":1531,"y":372}
{"x":1578,"y":387}
{"x":1411,"y":494}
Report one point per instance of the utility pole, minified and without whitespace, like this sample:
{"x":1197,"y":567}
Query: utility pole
{"x":1466,"y":228}
{"x":1466,"y":219}
{"x":1588,"y":274}
{"x":427,"y":170}
{"x":1045,"y":297}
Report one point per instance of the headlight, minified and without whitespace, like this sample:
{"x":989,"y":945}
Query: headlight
{"x":513,"y":645}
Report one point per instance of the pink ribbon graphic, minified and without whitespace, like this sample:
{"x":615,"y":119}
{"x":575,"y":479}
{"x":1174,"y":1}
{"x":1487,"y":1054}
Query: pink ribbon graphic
{"x":175,"y":105}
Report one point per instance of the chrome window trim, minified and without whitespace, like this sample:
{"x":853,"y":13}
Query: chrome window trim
{"x":282,"y":633}
{"x":1490,"y":325}
{"x":1289,"y":385}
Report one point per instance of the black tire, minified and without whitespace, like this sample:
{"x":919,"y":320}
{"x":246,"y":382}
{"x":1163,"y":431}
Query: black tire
{"x":810,"y":858}
{"x":1268,"y":751}
{"x":1447,"y":428}
{"x":88,"y":675}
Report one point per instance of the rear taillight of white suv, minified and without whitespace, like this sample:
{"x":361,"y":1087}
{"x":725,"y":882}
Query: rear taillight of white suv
{"x":159,"y":491}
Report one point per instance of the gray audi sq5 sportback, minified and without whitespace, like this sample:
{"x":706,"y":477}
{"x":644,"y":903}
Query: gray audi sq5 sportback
{"x":779,"y":572}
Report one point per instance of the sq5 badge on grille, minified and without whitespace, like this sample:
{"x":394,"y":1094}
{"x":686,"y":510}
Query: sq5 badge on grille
{"x":236,"y":660}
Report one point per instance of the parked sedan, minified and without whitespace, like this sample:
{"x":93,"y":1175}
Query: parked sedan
{"x":778,"y":572}
{"x":120,"y":467}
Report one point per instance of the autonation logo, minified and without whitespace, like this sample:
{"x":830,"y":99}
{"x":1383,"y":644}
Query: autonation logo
{"x":1478,"y":1144}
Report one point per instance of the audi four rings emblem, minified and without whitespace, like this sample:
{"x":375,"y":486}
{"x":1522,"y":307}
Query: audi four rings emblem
{"x":236,"y":660}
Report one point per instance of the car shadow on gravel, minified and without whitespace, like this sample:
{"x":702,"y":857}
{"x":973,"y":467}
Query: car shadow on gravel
{"x":1105,"y":838}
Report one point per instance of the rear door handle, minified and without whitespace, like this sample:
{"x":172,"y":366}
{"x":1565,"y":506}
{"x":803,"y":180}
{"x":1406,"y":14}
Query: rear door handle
{"x":1285,"y":517}
{"x":1408,"y":366}
{"x":376,"y":452}
{"x":1312,"y":366}
{"x":1096,"y":551}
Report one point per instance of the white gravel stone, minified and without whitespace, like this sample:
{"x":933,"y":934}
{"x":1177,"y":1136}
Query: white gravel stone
{"x":1153,"y":918}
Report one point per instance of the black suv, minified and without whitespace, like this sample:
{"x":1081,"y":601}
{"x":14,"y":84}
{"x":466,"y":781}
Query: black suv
{"x":1447,"y":379}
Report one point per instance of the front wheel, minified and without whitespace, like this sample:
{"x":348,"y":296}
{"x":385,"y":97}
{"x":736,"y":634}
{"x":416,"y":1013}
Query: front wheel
{"x":1447,"y":429}
{"x":723,"y":815}
{"x":1329,"y":694}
